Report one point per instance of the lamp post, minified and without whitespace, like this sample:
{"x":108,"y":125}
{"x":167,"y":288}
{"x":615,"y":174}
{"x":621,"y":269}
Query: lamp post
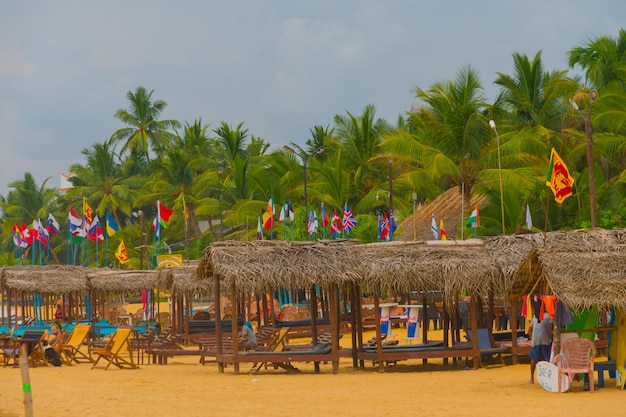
{"x":593,"y":96}
{"x":220,"y":171}
{"x":467,"y":155}
{"x":492,"y":125}
{"x":414,"y":196}
{"x":304,"y":156}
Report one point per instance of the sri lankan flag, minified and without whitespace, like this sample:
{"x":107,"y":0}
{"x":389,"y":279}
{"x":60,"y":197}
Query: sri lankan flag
{"x":121,"y":253}
{"x":559,"y":180}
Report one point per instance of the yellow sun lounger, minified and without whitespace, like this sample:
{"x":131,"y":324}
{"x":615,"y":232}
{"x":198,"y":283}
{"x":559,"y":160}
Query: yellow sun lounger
{"x":116,"y":350}
{"x":70,"y":350}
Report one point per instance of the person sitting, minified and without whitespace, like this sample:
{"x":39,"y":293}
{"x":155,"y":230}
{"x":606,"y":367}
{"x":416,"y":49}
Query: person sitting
{"x":55,"y":340}
{"x":58,"y":315}
{"x":246,"y":333}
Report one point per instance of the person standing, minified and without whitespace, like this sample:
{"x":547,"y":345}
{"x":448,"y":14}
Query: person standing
{"x":540,"y":333}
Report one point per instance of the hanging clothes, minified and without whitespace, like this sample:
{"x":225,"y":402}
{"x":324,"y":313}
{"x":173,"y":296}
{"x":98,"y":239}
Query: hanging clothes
{"x":548,"y":304}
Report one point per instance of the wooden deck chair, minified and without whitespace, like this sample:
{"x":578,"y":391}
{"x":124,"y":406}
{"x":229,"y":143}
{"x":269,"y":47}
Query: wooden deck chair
{"x":70,"y":350}
{"x":114,"y":350}
{"x":35,"y":339}
{"x":487,"y":348}
{"x":279,"y":344}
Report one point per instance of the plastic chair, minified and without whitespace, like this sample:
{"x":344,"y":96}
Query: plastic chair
{"x":576,"y":357}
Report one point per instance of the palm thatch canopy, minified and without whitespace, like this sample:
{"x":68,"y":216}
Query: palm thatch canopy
{"x":121,"y":281}
{"x":182,"y":280}
{"x":258,"y":265}
{"x":516,"y":255}
{"x":447,"y":266}
{"x":583,"y":276}
{"x":45,"y":280}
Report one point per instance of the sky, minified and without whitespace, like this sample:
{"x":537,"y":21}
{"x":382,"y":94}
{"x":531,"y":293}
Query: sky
{"x":280,"y":67}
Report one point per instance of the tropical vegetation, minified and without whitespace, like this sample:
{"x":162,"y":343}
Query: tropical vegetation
{"x":219,"y":179}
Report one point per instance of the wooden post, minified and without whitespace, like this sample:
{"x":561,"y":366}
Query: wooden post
{"x":379,"y":342}
{"x":514,"y":333}
{"x":235,"y":333}
{"x":28,"y":395}
{"x":357,"y":308}
{"x":446,"y":327}
{"x":218,"y":325}
{"x":335,"y":311}
{"x":474,"y":325}
{"x":313,"y":308}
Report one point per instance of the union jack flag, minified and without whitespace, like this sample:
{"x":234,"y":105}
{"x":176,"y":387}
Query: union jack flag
{"x":348,"y":219}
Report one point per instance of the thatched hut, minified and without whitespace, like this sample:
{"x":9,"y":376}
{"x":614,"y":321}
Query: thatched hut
{"x":183,"y":286}
{"x":38,"y":287}
{"x":261,"y":266}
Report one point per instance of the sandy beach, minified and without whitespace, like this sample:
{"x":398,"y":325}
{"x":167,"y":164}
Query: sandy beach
{"x":186,"y":388}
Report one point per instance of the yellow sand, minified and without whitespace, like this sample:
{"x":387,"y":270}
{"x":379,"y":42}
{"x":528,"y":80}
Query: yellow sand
{"x":186,"y":388}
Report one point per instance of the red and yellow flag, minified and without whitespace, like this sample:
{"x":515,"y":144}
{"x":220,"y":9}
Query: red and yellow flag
{"x":121,"y":253}
{"x":442,"y":230}
{"x":559,"y":180}
{"x":87,"y":211}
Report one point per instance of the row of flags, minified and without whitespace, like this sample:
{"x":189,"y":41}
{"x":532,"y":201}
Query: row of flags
{"x":23,"y":236}
{"x":386,"y":226}
{"x":336,"y":224}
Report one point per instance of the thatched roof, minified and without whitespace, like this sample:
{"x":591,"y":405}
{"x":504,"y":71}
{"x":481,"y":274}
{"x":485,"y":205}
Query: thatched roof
{"x":120,"y":280}
{"x":448,"y":266}
{"x":48,"y":279}
{"x":447,"y":206}
{"x":257,"y":265}
{"x":182,"y":280}
{"x":512,"y":251}
{"x":581,"y":276}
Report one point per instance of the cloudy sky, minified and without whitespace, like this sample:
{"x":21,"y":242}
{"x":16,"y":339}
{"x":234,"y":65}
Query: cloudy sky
{"x":281,"y":67}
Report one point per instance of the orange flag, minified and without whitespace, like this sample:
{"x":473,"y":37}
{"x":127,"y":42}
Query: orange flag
{"x":559,"y":180}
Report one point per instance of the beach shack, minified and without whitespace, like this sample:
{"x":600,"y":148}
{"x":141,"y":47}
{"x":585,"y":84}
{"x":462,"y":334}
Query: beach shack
{"x":586,"y":271}
{"x":450,"y":268}
{"x":32,"y":292}
{"x":260,"y":267}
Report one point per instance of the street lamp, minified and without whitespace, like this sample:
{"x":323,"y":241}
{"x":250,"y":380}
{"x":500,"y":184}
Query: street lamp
{"x":220,"y":171}
{"x":593,"y":96}
{"x":492,"y":125}
{"x":465,"y":157}
{"x":304,"y":156}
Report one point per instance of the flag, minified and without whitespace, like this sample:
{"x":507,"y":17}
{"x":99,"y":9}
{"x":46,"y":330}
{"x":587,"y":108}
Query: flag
{"x":41,"y":233}
{"x":290,"y":211}
{"x":94,"y":232}
{"x":529,"y":220}
{"x":348,"y":219}
{"x":433,"y":227}
{"x":28,"y":235}
{"x":112,"y":226}
{"x":162,"y":218}
{"x":392,"y":224}
{"x":281,"y":216}
{"x":18,"y":238}
{"x":259,"y":230}
{"x":559,"y":180}
{"x":121,"y":253}
{"x":335,"y":224}
{"x":268,"y":215}
{"x":325,"y":220}
{"x":384,"y":227}
{"x":442,"y":230}
{"x":75,"y":221}
{"x":474,"y":219}
{"x":87,"y":211}
{"x":53,"y":224}
{"x":311,"y":226}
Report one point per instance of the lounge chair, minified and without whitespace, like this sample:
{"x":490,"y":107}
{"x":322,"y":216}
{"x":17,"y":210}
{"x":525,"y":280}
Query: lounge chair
{"x":113,"y":352}
{"x":70,"y":350}
{"x":487,"y":348}
{"x":279,"y":344}
{"x":576,"y":357}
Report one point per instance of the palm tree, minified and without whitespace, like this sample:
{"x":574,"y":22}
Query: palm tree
{"x":27,"y":201}
{"x":144,"y":129}
{"x":599,"y":58}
